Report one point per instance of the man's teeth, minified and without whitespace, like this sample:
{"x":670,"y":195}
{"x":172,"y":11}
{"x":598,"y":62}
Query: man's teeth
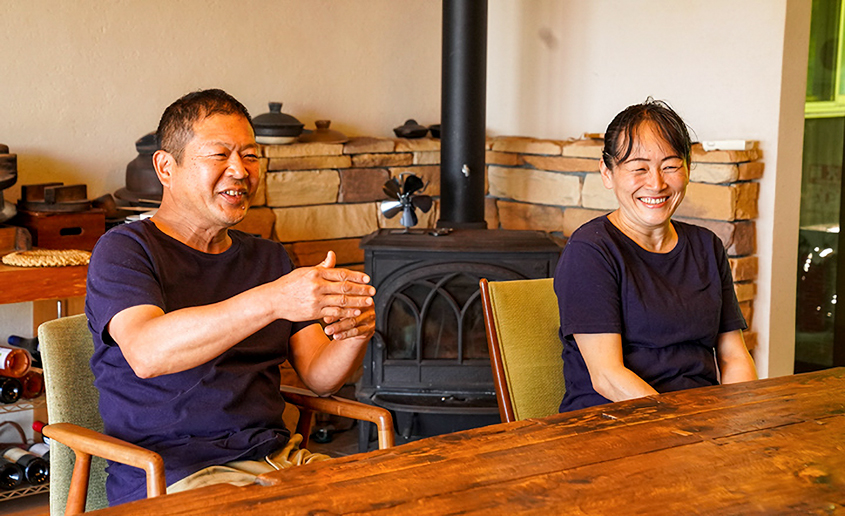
{"x":234,"y":192}
{"x":653,"y":200}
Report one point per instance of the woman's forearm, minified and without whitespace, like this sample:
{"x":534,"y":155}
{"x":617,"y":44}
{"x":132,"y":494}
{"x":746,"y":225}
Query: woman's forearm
{"x":621,"y":384}
{"x":602,"y":353}
{"x":738,"y":369}
{"x":735,"y":363}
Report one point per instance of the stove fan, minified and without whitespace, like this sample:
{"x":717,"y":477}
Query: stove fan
{"x":405,"y":199}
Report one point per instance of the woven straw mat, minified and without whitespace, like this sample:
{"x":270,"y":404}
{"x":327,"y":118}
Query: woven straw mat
{"x":47,"y":258}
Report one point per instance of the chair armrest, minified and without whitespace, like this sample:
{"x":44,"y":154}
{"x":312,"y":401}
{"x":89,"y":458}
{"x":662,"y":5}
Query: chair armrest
{"x":86,"y":443}
{"x":334,"y":405}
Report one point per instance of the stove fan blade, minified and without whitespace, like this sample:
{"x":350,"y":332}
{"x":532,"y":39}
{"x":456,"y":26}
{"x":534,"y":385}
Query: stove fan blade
{"x":391,"y":188}
{"x":391,"y":208}
{"x":423,"y":202}
{"x":411,"y":184}
{"x":409,"y":217}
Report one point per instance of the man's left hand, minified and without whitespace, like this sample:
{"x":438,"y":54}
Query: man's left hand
{"x":362,"y":326}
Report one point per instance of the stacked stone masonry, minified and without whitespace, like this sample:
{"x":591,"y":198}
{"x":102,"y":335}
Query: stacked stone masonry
{"x":318,"y":197}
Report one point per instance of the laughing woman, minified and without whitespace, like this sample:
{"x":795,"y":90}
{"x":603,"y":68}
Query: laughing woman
{"x":647,"y":304}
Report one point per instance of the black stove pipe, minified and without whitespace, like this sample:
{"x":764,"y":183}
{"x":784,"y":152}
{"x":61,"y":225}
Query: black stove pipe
{"x":463,"y":114}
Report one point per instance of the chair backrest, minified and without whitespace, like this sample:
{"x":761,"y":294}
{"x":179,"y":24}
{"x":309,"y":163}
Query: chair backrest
{"x":66,"y":347}
{"x":522,"y":322}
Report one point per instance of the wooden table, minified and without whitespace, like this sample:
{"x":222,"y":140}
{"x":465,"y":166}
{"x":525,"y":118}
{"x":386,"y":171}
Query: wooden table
{"x":774,"y":446}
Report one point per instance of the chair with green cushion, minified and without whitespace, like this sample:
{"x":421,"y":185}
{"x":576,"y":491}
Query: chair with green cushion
{"x":73,"y":409}
{"x":522,"y":322}
{"x":66,"y":348}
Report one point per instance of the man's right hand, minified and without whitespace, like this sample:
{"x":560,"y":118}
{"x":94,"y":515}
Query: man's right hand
{"x":322,"y":292}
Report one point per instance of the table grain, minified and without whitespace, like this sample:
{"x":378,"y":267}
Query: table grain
{"x":773,"y":446}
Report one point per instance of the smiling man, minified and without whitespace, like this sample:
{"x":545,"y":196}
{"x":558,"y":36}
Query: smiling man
{"x":191,"y":319}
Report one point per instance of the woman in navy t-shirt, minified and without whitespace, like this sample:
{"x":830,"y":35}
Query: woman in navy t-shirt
{"x":647,"y":304}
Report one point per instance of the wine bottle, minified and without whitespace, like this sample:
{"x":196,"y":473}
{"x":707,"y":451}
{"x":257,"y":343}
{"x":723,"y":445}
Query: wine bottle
{"x":41,"y":450}
{"x":38,"y":426}
{"x":29,"y":344}
{"x":35,"y":469}
{"x":11,"y":475}
{"x":33,"y":384}
{"x":10,"y":390}
{"x":14,"y":362}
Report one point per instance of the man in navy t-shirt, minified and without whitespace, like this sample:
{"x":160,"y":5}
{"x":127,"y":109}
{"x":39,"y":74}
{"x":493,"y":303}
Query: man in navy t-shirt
{"x":191,"y":320}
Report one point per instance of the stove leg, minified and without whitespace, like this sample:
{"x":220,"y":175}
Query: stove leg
{"x":364,"y":436}
{"x":406,"y":430}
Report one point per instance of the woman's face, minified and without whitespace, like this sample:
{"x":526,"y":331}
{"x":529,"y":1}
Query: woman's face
{"x":650,"y":184}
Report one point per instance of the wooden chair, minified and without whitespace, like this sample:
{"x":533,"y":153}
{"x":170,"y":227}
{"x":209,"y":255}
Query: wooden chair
{"x":522,"y":322}
{"x":73,"y":407}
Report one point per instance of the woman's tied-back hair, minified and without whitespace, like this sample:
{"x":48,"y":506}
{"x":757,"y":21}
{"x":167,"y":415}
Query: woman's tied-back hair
{"x":176,"y":127}
{"x":622,"y":131}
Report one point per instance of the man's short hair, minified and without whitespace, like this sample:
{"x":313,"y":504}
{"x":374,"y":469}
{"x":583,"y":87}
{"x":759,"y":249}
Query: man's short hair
{"x":176,"y":127}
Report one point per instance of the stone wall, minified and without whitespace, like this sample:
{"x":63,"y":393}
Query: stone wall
{"x":316,"y":197}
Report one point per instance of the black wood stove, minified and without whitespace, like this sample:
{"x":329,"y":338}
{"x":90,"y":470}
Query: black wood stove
{"x":428,"y":361}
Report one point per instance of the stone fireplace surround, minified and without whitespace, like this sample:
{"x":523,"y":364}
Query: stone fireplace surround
{"x":315,"y":196}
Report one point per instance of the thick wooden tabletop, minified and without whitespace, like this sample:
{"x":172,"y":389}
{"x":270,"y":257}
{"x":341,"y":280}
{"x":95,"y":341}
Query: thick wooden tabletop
{"x":774,"y":446}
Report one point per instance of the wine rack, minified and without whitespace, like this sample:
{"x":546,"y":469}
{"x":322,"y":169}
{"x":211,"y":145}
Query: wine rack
{"x":25,"y":489}
{"x":22,"y":405}
{"x":22,"y":491}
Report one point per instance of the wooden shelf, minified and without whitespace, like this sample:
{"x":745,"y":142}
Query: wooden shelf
{"x":27,"y":284}
{"x":24,"y":284}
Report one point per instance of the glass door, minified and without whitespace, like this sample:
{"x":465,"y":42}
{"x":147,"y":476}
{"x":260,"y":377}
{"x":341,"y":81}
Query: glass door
{"x":820,"y":329}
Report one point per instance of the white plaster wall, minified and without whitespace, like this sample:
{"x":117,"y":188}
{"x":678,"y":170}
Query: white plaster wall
{"x":732,"y":69}
{"x":15,"y":319}
{"x":82,"y":80}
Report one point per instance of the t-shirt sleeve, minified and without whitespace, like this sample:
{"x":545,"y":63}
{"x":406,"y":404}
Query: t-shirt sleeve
{"x":587,"y":287}
{"x":296,"y":326}
{"x":731,"y":318}
{"x":120,"y":276}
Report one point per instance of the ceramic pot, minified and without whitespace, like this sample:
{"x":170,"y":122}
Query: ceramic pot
{"x":410,"y":129}
{"x":323,"y":134}
{"x":142,"y":184}
{"x":275,"y":127}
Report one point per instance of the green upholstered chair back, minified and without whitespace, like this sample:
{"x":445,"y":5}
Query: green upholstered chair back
{"x":525,"y":319}
{"x":66,"y":348}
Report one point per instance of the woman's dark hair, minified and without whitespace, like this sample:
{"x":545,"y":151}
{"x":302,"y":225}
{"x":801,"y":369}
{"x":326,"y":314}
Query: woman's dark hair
{"x":622,"y":131}
{"x":176,"y":127}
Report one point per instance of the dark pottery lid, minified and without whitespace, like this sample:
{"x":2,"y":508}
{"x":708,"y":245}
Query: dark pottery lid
{"x":323,"y":134}
{"x":410,"y":129}
{"x":276,"y":123}
{"x":147,"y":144}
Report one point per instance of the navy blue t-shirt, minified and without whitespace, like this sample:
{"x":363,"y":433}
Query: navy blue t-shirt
{"x":227,"y":409}
{"x":669,"y":308}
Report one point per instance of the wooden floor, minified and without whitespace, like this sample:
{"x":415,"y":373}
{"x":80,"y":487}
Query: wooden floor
{"x":342,"y":444}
